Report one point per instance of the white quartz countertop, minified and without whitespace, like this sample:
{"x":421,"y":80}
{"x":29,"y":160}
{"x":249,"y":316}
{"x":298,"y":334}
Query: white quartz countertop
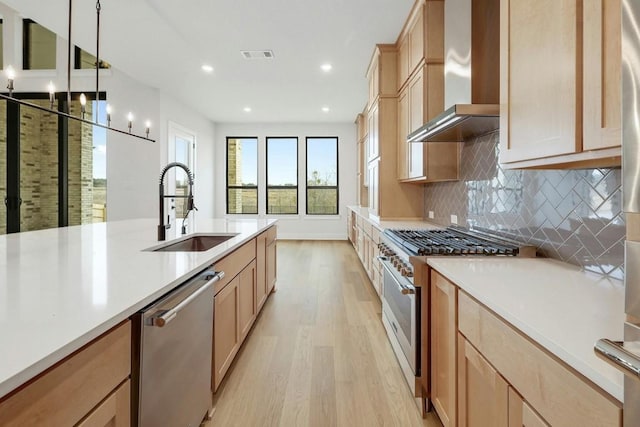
{"x":558,"y":305}
{"x":63,"y":287}
{"x":410,"y":224}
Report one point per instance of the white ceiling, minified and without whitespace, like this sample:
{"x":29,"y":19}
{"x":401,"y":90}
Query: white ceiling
{"x":164,"y":43}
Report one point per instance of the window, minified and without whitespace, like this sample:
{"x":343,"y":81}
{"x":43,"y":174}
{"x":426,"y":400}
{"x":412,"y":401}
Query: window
{"x":282,"y":175}
{"x":322,"y":176}
{"x":39,"y":47}
{"x":242,"y":175}
{"x":84,"y":60}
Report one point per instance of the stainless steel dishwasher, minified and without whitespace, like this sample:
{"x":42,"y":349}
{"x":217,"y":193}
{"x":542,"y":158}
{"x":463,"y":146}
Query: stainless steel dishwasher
{"x":172,"y":356}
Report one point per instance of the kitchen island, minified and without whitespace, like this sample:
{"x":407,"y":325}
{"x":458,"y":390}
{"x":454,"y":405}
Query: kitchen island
{"x":62,"y":288}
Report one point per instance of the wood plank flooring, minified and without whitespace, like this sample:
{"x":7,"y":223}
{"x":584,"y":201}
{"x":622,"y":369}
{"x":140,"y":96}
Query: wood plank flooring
{"x":318,"y":354}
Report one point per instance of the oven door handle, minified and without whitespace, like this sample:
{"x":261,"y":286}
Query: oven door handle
{"x":404,"y":289}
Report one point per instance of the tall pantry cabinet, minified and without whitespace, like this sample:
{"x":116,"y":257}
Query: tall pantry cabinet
{"x":388,"y":198}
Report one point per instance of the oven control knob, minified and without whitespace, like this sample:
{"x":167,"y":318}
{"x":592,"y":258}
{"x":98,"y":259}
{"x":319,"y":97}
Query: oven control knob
{"x":406,"y":272}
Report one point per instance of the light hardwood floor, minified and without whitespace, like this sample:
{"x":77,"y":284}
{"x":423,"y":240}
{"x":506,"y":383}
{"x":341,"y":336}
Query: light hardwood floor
{"x":318,"y":354}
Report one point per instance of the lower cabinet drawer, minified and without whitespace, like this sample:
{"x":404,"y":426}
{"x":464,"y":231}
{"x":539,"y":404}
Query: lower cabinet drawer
{"x":561,"y":396}
{"x":233,"y":263}
{"x":67,"y":392}
{"x":114,"y":411}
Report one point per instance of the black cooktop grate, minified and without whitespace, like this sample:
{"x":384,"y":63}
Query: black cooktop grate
{"x":449,"y":241}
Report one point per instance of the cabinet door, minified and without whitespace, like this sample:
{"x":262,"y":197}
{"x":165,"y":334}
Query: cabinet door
{"x":483,"y":398}
{"x":247,"y":308}
{"x":374,"y":132}
{"x":403,"y":61}
{"x":403,"y":131}
{"x":261,"y":266}
{"x":602,"y":115}
{"x":416,"y":41}
{"x":114,"y":411}
{"x":540,"y":87}
{"x":416,"y":119}
{"x":271,"y":266}
{"x":374,"y":174}
{"x":443,"y":348}
{"x":521,"y":414}
{"x":226,"y":331}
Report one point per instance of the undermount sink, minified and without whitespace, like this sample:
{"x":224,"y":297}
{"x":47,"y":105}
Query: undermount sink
{"x":197,"y":243}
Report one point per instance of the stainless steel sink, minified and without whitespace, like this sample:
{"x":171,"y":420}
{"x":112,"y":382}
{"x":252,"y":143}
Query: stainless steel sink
{"x":197,"y":243}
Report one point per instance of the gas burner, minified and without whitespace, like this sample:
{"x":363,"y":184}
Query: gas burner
{"x":450,"y":241}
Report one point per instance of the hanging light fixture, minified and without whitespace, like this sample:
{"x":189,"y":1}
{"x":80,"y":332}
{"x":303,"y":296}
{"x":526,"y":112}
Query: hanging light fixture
{"x":11,"y":75}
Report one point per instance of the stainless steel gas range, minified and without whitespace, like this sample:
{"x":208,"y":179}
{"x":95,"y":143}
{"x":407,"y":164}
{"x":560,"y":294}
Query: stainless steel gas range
{"x":402,"y":298}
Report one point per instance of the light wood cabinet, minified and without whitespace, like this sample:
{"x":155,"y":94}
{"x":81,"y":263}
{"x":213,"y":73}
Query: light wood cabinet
{"x":362,"y":159}
{"x":521,"y":414}
{"x":602,"y":109}
{"x":373,"y":134}
{"x":483,"y":398}
{"x":266,"y":265}
{"x":374,"y":187}
{"x":550,"y":387}
{"x":569,"y":115}
{"x":261,"y":270}
{"x":272,"y":260}
{"x":382,"y":73}
{"x":443,"y":349}
{"x":247,"y":307}
{"x":114,"y":411}
{"x":68,"y":392}
{"x":250,"y":276}
{"x":420,"y":100}
{"x":226,"y":330}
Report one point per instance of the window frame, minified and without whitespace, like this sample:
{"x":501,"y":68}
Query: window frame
{"x":26,"y":45}
{"x":282,"y":187}
{"x":322,"y":187}
{"x":242,"y":187}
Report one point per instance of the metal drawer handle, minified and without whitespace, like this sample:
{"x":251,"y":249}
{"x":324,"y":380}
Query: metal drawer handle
{"x":171,"y":314}
{"x":616,"y":354}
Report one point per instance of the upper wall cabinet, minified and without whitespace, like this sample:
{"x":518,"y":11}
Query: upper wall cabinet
{"x":382,"y":73}
{"x":560,"y":100}
{"x":422,"y":38}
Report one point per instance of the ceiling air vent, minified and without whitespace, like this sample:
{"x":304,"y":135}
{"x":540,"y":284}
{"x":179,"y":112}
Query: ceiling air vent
{"x":257,"y":54}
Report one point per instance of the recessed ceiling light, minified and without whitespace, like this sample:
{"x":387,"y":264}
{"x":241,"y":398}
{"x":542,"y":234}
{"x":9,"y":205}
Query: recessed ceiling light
{"x":325,"y":109}
{"x":326,"y":67}
{"x":207,"y":68}
{"x":247,"y":109}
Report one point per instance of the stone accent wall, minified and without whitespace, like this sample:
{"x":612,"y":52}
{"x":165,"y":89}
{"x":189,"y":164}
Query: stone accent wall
{"x":234,"y":170}
{"x":80,"y":168}
{"x":39,"y":168}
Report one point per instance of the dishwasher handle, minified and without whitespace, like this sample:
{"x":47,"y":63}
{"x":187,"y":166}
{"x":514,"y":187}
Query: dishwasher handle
{"x":168,"y":315}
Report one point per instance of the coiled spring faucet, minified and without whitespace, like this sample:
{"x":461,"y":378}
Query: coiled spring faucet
{"x":162,"y":227}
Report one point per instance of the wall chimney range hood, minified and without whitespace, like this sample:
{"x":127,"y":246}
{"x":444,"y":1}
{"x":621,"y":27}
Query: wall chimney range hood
{"x":472,"y":73}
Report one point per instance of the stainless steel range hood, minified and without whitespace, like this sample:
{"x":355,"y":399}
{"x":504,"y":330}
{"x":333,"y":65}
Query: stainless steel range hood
{"x":458,"y":123}
{"x":472,"y":73}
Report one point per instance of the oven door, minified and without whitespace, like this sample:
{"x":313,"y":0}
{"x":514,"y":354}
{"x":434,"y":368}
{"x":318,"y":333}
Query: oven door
{"x":400,"y":305}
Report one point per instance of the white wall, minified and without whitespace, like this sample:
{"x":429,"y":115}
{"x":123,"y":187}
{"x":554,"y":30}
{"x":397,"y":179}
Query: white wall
{"x":299,"y":226}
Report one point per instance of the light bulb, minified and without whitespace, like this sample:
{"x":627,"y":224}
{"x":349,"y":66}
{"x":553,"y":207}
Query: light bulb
{"x":10,"y":72}
{"x":326,"y":67}
{"x":130,"y":119}
{"x":108,"y":115}
{"x":147,"y":126}
{"x":52,"y":93}
{"x":83,"y":103}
